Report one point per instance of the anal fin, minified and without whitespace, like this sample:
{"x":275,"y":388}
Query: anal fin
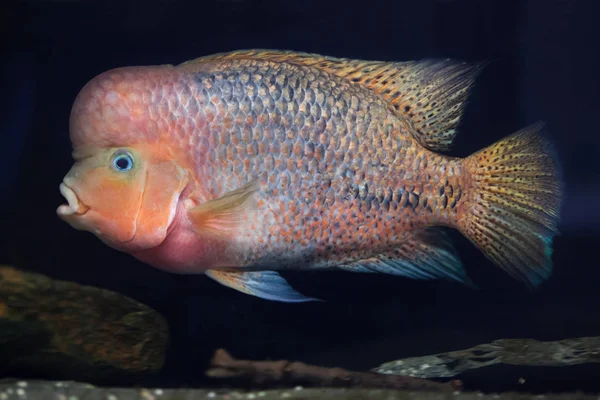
{"x":268,"y":285}
{"x":429,"y":254}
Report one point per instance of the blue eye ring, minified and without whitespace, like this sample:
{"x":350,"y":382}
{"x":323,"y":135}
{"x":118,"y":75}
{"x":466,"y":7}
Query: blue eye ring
{"x":122,"y":161}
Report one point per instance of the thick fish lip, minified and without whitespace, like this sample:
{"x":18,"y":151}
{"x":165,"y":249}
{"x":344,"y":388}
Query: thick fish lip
{"x":75,"y":206}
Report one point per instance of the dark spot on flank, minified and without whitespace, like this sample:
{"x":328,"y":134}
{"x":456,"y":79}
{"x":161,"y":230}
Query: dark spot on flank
{"x":406,"y":108}
{"x":444,"y":201}
{"x":457,"y":198}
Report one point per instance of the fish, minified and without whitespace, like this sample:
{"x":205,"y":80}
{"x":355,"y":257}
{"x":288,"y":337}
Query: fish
{"x":245,"y":164}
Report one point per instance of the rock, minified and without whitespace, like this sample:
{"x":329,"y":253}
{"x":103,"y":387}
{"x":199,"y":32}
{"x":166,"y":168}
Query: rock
{"x":502,"y":351}
{"x":63,"y":330}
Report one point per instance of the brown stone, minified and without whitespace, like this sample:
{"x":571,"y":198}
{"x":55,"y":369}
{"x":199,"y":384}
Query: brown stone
{"x":69,"y":331}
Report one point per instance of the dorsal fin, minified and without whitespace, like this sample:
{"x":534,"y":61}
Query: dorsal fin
{"x":430,"y":93}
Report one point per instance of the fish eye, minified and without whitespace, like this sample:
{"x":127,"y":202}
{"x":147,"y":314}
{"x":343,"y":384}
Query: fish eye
{"x":122,"y":161}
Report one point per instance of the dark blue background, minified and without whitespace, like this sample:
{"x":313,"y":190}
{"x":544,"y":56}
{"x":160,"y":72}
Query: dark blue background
{"x":545,"y":63}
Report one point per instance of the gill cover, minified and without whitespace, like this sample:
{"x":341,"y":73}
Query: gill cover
{"x":165,"y":180}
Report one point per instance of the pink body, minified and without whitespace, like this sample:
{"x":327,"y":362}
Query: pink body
{"x":266,"y":161}
{"x":342,"y":177}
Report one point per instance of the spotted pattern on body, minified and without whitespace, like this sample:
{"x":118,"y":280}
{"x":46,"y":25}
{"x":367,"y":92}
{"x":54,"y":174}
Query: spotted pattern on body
{"x":342,"y":177}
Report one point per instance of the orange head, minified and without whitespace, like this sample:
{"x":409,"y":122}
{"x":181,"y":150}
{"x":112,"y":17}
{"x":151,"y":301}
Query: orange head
{"x":127,"y":179}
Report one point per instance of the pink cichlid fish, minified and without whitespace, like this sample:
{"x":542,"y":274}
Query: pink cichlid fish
{"x":242,"y":164}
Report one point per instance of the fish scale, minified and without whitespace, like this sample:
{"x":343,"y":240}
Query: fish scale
{"x":332,"y":158}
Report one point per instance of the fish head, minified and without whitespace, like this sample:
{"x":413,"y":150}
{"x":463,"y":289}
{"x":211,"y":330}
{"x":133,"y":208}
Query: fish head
{"x":126,"y":182}
{"x":127,"y":199}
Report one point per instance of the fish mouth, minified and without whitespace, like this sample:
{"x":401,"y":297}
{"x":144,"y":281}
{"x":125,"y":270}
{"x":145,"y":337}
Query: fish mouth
{"x":74,"y":206}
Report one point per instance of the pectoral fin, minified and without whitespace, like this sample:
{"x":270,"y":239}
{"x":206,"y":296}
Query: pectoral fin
{"x":268,"y":285}
{"x":217,"y":217}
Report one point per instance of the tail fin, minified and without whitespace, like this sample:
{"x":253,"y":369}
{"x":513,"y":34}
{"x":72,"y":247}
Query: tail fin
{"x":514,"y":203}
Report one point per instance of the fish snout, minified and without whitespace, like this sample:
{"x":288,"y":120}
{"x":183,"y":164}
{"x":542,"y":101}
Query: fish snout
{"x":74,"y":206}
